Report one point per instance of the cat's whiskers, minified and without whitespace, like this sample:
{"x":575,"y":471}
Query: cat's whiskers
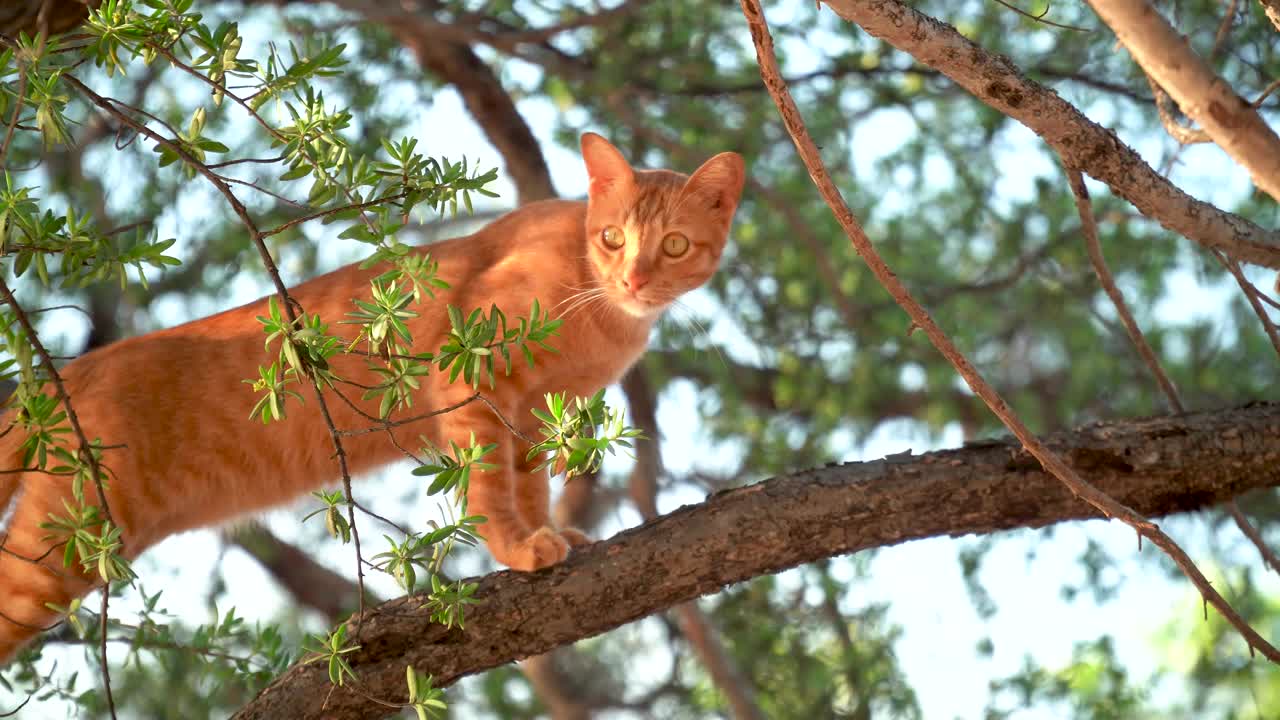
{"x":691,"y":323}
{"x":598,"y":306}
{"x":577,"y":292}
{"x":582,"y":299}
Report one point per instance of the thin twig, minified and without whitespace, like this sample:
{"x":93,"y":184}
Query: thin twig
{"x":1223,"y":28}
{"x":229,"y":163}
{"x":1040,"y":17}
{"x":173,"y":60}
{"x":386,"y":521}
{"x":384,"y":424}
{"x":17,"y":108}
{"x":1090,"y":227}
{"x":15,"y":711}
{"x":1251,"y":294}
{"x":1270,"y":88}
{"x":1269,"y":557}
{"x":29,"y":626}
{"x":331,"y":211}
{"x":1053,"y":464}
{"x":503,"y":419}
{"x":265,"y":191}
{"x":1267,"y":299}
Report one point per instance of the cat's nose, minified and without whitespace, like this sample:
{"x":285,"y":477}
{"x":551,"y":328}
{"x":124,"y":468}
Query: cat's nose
{"x":633,"y":281}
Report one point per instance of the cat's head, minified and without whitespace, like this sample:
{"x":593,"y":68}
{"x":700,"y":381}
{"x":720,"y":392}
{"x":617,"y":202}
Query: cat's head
{"x":653,"y":235}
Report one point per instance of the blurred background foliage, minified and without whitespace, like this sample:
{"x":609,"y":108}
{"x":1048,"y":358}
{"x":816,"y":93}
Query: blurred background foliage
{"x":792,"y":356}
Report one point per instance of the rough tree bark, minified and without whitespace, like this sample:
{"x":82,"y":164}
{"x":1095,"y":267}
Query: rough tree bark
{"x":1157,"y":466}
{"x":60,"y":15}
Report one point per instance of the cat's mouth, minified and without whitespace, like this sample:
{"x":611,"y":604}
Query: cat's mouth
{"x":638,"y":306}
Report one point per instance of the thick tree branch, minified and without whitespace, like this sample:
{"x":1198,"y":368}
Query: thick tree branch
{"x":24,"y":15}
{"x":1157,"y":466}
{"x":1203,"y":96}
{"x":1272,"y":9}
{"x":1081,"y":142}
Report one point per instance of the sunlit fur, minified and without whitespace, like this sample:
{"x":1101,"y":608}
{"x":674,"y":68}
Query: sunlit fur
{"x":194,"y":458}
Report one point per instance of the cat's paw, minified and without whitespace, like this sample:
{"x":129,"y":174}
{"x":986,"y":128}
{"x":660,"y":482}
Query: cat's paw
{"x":575,"y":537}
{"x":545,"y":547}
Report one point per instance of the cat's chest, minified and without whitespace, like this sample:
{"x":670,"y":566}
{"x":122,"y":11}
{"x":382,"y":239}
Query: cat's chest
{"x":581,"y":366}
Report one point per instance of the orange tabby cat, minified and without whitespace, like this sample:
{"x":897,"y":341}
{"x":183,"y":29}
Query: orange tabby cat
{"x":194,"y":458}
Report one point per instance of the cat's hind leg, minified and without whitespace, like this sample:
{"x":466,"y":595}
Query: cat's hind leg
{"x":32,"y":575}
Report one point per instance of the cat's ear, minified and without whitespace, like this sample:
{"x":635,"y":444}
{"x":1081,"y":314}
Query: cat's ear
{"x":717,"y":186}
{"x":606,"y":168}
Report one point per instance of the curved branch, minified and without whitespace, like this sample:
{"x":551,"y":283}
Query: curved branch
{"x":1226,"y":117}
{"x":1081,"y":142}
{"x":1157,"y":466}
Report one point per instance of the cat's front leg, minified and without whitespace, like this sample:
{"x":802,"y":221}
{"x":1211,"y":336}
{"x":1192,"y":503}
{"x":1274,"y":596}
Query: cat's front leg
{"x":512,"y":540}
{"x":533,"y":496}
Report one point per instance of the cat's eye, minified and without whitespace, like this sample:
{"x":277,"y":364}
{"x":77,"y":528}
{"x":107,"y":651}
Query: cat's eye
{"x":612,"y":237}
{"x":675,"y":244}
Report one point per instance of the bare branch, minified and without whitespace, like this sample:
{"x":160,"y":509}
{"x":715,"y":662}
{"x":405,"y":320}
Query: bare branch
{"x":1252,"y":295}
{"x":1085,"y":144}
{"x":1040,"y":17}
{"x":1269,"y":557}
{"x":1090,"y":228}
{"x":1183,"y":134}
{"x":1167,"y":57}
{"x":1272,"y":9}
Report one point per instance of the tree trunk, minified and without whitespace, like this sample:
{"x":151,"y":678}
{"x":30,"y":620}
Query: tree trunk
{"x":18,"y":16}
{"x":1157,"y":466}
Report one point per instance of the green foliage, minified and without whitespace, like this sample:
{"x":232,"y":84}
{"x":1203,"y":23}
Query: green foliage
{"x":473,"y":341}
{"x":577,"y":435}
{"x":330,"y":650}
{"x":452,"y":471}
{"x":448,"y":601}
{"x":345,"y":181}
{"x":426,"y":701}
{"x":334,"y":523}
